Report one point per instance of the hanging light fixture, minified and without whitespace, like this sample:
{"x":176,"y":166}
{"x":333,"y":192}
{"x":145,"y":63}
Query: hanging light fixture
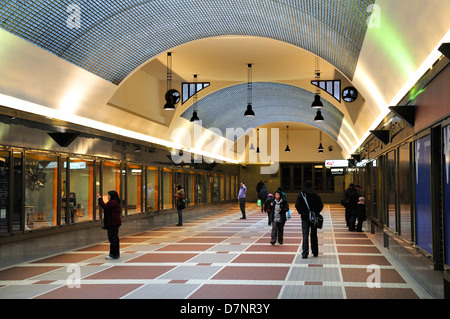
{"x":249,"y":112}
{"x":257,"y":141}
{"x":287,"y":149}
{"x":320,"y":148}
{"x":317,"y":103}
{"x":194,"y":117}
{"x":319,"y":117}
{"x":172,"y":96}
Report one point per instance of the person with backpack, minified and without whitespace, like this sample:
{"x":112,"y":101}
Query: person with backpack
{"x":307,"y":201}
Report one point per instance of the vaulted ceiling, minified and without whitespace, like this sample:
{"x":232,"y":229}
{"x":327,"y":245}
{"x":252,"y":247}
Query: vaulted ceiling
{"x":105,"y":61}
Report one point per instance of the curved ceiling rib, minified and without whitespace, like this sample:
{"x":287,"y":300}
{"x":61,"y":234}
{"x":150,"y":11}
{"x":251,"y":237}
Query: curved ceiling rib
{"x":225,"y":108}
{"x":115,"y":38}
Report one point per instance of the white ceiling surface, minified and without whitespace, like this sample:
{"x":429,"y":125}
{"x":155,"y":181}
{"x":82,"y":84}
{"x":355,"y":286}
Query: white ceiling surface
{"x":408,"y":31}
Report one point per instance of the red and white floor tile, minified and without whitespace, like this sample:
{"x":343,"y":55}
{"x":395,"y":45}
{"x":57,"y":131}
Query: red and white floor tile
{"x":219,"y":256}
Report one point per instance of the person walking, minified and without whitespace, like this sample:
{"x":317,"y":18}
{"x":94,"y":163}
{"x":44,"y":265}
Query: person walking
{"x":262,"y":196}
{"x":268,"y":207}
{"x":315,"y":204}
{"x":112,"y":212}
{"x":180,"y":203}
{"x":241,"y":198}
{"x":352,"y":201}
{"x":360,"y":213}
{"x":279,"y":208}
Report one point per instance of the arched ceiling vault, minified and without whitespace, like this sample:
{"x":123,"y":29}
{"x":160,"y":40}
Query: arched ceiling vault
{"x":112,"y":39}
{"x":272,"y":102}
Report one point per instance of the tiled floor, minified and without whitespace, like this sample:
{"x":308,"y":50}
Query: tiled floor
{"x":219,"y":256}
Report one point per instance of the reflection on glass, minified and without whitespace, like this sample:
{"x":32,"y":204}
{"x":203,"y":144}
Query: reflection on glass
{"x":151,"y":189}
{"x":81,"y":197}
{"x":404,"y":189}
{"x":40,"y":190}
{"x":5,"y":193}
{"x":111,"y":179}
{"x":390,"y":188}
{"x":167,"y":189}
{"x":134,"y":181}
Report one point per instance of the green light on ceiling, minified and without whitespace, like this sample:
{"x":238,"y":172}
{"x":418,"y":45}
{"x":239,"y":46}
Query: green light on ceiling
{"x":390,"y":41}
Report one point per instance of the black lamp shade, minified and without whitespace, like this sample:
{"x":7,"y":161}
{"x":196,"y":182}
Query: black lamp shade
{"x":319,"y":117}
{"x":317,"y":104}
{"x":249,"y":111}
{"x":287,"y":149}
{"x":320,"y":148}
{"x":194,"y":117}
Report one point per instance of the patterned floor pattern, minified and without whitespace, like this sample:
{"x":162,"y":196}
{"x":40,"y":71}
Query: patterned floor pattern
{"x":219,"y":256}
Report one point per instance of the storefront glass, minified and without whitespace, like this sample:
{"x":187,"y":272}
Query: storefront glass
{"x":40,"y":190}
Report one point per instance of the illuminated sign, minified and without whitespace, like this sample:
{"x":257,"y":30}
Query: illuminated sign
{"x":336,"y":163}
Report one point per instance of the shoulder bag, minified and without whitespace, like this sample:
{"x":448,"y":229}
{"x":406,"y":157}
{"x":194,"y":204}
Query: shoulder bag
{"x":315,"y":219}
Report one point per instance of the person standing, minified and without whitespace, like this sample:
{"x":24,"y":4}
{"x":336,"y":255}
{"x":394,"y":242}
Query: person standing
{"x":360,"y":213}
{"x":180,"y":203}
{"x":241,"y":197}
{"x":268,"y":207}
{"x":279,"y":208}
{"x":315,"y":204}
{"x":345,"y":202}
{"x":352,"y":201}
{"x":112,"y":212}
{"x":262,"y":196}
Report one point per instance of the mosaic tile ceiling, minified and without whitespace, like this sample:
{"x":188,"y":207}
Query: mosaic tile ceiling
{"x":113,"y":38}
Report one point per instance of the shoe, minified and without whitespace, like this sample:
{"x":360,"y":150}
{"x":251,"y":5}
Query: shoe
{"x":304,"y":256}
{"x":272,"y":243}
{"x":281,"y":243}
{"x":111,"y":257}
{"x":179,"y":225}
{"x":315,"y":255}
{"x":243,"y":218}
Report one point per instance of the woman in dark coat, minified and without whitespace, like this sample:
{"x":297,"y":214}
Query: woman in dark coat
{"x":112,"y":212}
{"x":277,"y":217}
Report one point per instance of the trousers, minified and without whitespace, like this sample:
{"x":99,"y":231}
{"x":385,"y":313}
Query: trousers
{"x":242,"y":205}
{"x":309,"y":231}
{"x":277,"y":231}
{"x":114,"y":243}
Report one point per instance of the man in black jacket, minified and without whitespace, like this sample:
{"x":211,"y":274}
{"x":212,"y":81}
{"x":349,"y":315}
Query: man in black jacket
{"x":315,"y":204}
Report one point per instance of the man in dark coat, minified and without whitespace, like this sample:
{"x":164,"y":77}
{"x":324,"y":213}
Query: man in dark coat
{"x":316,"y":205}
{"x":263,"y":193}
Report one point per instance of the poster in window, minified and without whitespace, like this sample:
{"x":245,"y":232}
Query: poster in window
{"x":423,"y":193}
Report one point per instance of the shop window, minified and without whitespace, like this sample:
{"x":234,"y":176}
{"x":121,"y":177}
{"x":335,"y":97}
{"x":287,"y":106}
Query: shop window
{"x":151,"y":189}
{"x":404,"y":189}
{"x":168,"y":187}
{"x":111,"y":179}
{"x":190,"y":189}
{"x":5,"y":193}
{"x":40,"y":190}
{"x":390,"y":190}
{"x":134,"y":194}
{"x":81,"y":192}
{"x":422,"y":163}
{"x":215,"y":189}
